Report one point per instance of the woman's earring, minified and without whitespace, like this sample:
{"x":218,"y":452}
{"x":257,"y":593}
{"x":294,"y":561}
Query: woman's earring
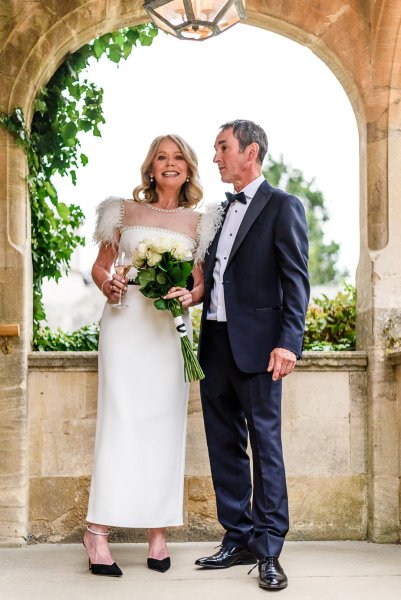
{"x":151,"y":178}
{"x":188,"y":180}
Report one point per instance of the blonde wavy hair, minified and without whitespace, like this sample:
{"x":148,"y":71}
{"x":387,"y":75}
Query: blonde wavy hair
{"x":191,"y":192}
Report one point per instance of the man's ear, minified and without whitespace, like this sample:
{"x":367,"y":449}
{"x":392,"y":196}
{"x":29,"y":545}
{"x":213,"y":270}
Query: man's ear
{"x":253,"y":151}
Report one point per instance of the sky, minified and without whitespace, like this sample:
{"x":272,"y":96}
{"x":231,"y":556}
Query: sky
{"x":191,"y":88}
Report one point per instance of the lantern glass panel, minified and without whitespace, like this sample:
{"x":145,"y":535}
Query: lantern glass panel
{"x":173,"y":11}
{"x":207,"y":10}
{"x":195,"y":32}
{"x":162,"y":25}
{"x":229,"y":18}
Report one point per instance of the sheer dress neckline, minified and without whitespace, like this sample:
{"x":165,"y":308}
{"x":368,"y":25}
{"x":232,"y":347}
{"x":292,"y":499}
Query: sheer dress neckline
{"x":135,"y":216}
{"x":161,"y":229}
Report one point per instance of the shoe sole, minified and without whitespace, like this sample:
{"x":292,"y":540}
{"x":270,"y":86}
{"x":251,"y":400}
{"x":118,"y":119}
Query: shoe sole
{"x":276,"y":588}
{"x":233,"y":564}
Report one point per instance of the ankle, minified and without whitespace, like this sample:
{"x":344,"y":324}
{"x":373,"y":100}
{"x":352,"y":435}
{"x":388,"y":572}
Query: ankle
{"x":156,"y":535}
{"x":98,"y":530}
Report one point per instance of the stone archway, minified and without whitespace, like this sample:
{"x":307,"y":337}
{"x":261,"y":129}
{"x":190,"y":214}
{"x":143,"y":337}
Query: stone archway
{"x":360,"y":42}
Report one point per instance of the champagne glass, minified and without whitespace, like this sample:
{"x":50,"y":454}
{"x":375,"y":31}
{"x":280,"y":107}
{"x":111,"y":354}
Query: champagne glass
{"x":122,"y":264}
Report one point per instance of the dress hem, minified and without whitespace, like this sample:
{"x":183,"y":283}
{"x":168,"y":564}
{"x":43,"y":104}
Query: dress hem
{"x":136,"y":526}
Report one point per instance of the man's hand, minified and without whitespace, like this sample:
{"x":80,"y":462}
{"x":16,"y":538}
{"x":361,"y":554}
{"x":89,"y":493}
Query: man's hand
{"x":282,"y":363}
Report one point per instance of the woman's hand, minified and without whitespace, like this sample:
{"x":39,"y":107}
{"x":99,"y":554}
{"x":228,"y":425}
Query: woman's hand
{"x":113,"y":286}
{"x":183,"y":295}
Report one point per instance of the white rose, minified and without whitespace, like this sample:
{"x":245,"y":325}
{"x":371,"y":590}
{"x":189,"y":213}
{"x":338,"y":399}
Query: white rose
{"x":141,"y":249}
{"x":162,"y":244}
{"x":137,"y":259}
{"x":153,"y":258}
{"x":182,"y":252}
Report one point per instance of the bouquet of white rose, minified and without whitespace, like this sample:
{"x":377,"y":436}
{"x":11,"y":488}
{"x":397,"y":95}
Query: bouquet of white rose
{"x":162,"y":263}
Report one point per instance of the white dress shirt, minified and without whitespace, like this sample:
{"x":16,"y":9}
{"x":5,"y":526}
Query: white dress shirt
{"x":233,"y":220}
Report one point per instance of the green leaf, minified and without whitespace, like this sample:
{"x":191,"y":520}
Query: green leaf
{"x":153,"y":31}
{"x":132,"y":35}
{"x":161,"y":278}
{"x":115,"y":53}
{"x":186,"y":268}
{"x":84,"y":160}
{"x":118,"y":38}
{"x":63,"y":210}
{"x":85,"y":124}
{"x":146,"y":276}
{"x":151,"y":290}
{"x":50,"y":189}
{"x":176,"y":274}
{"x":161,"y":304}
{"x":99,"y":47}
{"x":69,"y":132}
{"x":145,"y":40}
{"x":96,"y":131}
{"x":75,"y":91}
{"x":127,"y":49}
{"x":40,"y":106}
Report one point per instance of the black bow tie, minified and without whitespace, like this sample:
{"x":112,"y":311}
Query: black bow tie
{"x":240,"y":197}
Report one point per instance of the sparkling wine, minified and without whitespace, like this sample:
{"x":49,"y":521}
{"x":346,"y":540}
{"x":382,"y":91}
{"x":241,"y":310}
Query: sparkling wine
{"x":122,"y":270}
{"x":122,"y":265}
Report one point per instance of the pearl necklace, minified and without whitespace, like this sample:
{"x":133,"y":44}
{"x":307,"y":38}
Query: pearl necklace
{"x":163,"y":210}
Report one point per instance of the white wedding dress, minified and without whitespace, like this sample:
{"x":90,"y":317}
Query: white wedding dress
{"x":138,"y":470}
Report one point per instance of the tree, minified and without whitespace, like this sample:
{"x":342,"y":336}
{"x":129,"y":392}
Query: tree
{"x":323,"y":256}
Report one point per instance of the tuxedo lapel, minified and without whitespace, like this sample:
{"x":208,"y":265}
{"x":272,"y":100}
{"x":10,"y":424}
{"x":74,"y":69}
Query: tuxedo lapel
{"x":257,"y":204}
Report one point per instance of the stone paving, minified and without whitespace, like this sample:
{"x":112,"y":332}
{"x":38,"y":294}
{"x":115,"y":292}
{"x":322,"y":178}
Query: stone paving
{"x":316,"y":570}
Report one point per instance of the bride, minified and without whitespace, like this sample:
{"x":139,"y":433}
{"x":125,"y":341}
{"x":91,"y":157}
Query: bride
{"x":138,"y":470}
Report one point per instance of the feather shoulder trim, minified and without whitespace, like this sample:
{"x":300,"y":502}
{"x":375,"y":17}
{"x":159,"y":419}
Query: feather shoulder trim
{"x":109,"y":218}
{"x":209,"y":224}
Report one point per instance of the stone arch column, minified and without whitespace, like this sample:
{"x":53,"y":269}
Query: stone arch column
{"x":379,"y":273}
{"x":28,"y":33}
{"x":348,"y":36}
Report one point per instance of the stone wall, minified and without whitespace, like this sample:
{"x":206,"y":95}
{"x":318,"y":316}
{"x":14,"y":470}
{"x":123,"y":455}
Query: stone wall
{"x":394,"y":459}
{"x":324,"y":435}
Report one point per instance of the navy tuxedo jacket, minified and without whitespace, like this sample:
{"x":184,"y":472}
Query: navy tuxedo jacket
{"x":266,"y":282}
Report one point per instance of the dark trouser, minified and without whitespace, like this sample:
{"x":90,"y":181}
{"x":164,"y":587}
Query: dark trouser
{"x":235,"y":403}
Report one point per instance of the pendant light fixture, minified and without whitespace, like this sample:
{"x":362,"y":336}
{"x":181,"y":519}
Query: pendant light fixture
{"x":195,"y":19}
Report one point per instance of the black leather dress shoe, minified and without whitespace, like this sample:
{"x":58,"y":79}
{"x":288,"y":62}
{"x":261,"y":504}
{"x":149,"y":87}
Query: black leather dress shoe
{"x":271,"y":574}
{"x":227,"y":556}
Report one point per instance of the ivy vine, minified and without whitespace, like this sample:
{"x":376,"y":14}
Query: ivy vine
{"x":67,"y":106}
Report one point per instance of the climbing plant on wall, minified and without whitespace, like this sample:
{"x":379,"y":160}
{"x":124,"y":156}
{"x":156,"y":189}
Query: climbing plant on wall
{"x":66,"y":107}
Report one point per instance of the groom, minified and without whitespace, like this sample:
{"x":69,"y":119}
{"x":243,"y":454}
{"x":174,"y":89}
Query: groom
{"x":256,"y":296}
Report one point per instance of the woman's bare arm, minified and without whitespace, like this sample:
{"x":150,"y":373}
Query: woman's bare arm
{"x":109,"y":284}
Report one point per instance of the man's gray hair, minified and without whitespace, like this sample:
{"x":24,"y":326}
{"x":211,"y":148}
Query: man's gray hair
{"x":248,"y":132}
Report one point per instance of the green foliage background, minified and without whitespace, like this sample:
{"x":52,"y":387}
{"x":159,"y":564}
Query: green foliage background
{"x":66,"y":107}
{"x":330,"y":325}
{"x":323,"y":256}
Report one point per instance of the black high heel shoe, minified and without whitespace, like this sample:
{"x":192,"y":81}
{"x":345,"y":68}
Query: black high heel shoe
{"x":162,"y":565}
{"x":100,"y":569}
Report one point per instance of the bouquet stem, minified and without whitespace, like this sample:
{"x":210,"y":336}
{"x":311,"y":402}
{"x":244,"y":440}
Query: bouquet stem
{"x":192,"y":369}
